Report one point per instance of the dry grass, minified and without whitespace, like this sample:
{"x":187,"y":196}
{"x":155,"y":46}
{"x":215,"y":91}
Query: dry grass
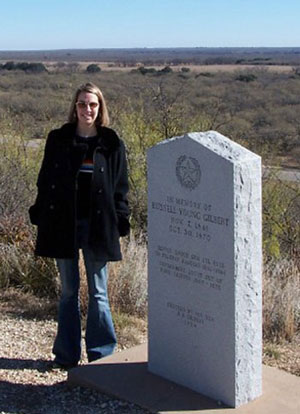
{"x":18,"y":265}
{"x":281,"y":315}
{"x":284,"y":355}
{"x":281,"y":300}
{"x":127,"y":283}
{"x":128,"y":278}
{"x":234,"y":68}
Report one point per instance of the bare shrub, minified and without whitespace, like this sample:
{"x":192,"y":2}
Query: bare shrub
{"x":18,"y":171}
{"x":281,"y":304}
{"x":18,"y":265}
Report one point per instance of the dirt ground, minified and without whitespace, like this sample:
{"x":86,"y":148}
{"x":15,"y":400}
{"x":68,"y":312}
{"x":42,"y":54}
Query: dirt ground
{"x":27,"y":386}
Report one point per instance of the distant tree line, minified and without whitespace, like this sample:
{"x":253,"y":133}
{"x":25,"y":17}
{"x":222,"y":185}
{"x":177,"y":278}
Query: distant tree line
{"x":157,"y":72}
{"x":38,"y":67}
{"x":144,"y":71}
{"x":35,"y":67}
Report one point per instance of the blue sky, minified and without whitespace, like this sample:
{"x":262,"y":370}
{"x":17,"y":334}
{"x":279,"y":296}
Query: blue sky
{"x":62,"y":24}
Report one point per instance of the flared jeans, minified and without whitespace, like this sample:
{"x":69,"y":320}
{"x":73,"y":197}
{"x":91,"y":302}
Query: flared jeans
{"x":100,"y":337}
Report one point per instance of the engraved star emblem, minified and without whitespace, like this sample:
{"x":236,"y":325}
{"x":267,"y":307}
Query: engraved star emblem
{"x":188,"y":172}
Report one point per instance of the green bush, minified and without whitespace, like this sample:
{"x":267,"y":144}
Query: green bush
{"x":246,"y":77}
{"x":139,"y":135}
{"x":281,"y":226}
{"x":142,"y":70}
{"x":93,"y":68}
{"x":165,"y":70}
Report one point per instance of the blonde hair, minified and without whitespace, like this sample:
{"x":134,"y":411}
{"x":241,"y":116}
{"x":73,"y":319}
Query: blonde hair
{"x":103,"y":117}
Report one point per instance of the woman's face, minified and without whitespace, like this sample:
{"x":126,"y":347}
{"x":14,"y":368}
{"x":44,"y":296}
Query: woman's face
{"x":87,"y":108}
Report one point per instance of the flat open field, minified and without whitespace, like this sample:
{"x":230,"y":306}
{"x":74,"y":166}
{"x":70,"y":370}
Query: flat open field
{"x":108,"y":66}
{"x":53,"y":66}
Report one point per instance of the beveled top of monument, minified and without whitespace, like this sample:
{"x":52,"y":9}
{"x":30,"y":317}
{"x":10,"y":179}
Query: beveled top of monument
{"x":217,"y":143}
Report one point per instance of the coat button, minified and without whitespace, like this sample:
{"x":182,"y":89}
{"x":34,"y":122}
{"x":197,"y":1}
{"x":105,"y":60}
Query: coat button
{"x":98,"y":211}
{"x":51,"y":207}
{"x":100,"y":191}
{"x":101,"y":169}
{"x":53,"y":186}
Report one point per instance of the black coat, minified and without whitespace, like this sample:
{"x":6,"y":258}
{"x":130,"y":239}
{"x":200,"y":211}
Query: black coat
{"x":54,"y":211}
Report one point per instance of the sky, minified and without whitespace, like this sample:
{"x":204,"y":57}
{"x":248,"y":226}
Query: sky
{"x":83,"y":24}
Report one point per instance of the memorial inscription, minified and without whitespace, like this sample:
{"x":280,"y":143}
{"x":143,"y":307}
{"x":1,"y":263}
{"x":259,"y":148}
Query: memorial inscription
{"x":204,"y":271}
{"x":189,"y":218}
{"x":204,"y":228}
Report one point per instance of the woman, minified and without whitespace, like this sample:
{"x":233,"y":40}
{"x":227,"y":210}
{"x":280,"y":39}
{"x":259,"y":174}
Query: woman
{"x":82,"y":204}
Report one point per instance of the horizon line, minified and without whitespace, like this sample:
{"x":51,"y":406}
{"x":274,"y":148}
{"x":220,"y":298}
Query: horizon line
{"x":148,"y":47}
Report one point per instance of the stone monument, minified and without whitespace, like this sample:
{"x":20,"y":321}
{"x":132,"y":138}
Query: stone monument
{"x":205,"y":263}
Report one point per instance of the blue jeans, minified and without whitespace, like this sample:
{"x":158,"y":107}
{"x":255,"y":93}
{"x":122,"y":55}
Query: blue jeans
{"x":100,"y":336}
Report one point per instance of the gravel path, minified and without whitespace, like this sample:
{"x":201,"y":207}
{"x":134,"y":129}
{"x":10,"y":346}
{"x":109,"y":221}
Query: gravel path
{"x":27,"y":387}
